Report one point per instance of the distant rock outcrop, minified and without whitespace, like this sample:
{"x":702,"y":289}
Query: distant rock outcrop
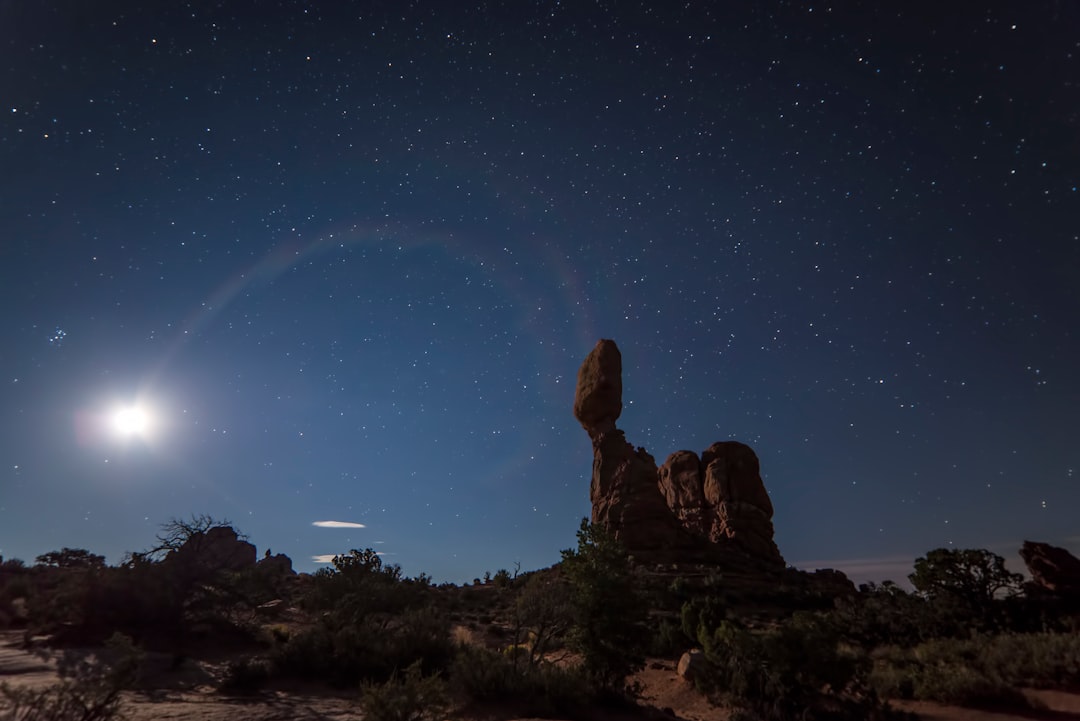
{"x":687,"y":508}
{"x":276,"y":565}
{"x":1052,"y":569}
{"x":216,"y":549}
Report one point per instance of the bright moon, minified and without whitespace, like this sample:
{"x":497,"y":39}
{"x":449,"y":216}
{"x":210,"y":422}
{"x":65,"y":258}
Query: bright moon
{"x":132,"y":421}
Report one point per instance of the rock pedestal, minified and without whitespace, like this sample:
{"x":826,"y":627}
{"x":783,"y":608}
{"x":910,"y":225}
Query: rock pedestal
{"x":688,"y":505}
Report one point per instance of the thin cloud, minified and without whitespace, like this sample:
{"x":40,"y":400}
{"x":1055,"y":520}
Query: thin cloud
{"x":895,"y":568}
{"x":338,"y":524}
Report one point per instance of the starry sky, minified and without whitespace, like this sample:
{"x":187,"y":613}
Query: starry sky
{"x":347,"y":258}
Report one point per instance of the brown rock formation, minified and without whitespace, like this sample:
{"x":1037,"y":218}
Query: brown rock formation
{"x":276,"y":565}
{"x":1052,"y":569}
{"x":684,"y":490}
{"x":688,"y":508}
{"x":218,"y":549}
{"x":598,"y":397}
{"x":627,"y":501}
{"x":721,"y":496}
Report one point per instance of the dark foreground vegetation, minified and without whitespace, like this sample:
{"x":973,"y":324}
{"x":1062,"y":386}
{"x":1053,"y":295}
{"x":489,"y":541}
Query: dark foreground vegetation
{"x":563,"y":642}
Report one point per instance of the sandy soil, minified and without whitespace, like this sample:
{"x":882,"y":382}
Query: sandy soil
{"x":664,"y":689}
{"x":1049,"y":706}
{"x":188,"y":693}
{"x":185,"y":693}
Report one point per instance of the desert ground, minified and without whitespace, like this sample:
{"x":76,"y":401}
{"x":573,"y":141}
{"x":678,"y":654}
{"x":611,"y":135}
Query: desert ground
{"x":189,"y":693}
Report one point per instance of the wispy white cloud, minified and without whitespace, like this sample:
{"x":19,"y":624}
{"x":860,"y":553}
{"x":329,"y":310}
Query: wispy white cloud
{"x":338,"y":524}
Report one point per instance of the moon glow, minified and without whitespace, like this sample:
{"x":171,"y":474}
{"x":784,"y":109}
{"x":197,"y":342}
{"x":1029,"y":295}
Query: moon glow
{"x":131,"y":422}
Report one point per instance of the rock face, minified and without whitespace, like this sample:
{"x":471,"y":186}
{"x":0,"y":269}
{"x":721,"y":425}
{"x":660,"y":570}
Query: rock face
{"x":626,"y":500}
{"x":688,"y":507}
{"x":1052,"y":569}
{"x":721,"y":496}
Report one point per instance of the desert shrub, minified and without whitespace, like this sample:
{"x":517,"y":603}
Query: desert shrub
{"x":608,"y":611}
{"x":76,"y":596}
{"x":702,"y":614}
{"x":541,"y":617}
{"x":980,"y":671}
{"x":372,"y":649}
{"x":939,"y":671}
{"x":967,"y":590}
{"x":797,"y":670}
{"x":405,"y":697}
{"x":233,"y":596}
{"x":359,"y":584}
{"x":88,"y":604}
{"x":668,"y":639}
{"x":1048,"y":660}
{"x":502,"y":578}
{"x":882,"y":615}
{"x":245,"y":675}
{"x":15,"y":586}
{"x":959,"y":684}
{"x":372,"y":622}
{"x":1037,"y":612}
{"x":419,"y":635}
{"x":89,"y":689}
{"x":886,"y":615}
{"x":486,"y":675}
{"x":308,"y":653}
{"x":276,"y":633}
{"x":543,"y":689}
{"x":975,"y":576}
{"x":70,"y":558}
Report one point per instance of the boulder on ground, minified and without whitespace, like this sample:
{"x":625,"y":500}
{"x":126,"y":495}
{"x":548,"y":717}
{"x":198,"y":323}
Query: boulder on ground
{"x":691,"y":665}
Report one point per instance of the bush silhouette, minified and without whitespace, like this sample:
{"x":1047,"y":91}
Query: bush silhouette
{"x":608,"y":611}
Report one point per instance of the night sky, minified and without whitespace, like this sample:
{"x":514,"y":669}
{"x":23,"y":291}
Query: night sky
{"x":347,"y":258}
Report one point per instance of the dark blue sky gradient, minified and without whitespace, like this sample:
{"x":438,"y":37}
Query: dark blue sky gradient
{"x":352,"y":254}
